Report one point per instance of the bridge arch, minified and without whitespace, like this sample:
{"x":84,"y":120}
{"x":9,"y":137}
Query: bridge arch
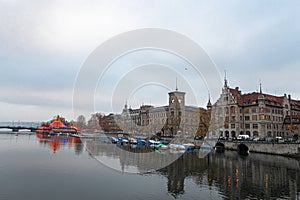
{"x":243,"y":149}
{"x":220,"y":147}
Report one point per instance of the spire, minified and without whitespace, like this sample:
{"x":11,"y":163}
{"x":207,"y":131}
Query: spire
{"x":225,"y":79}
{"x":126,"y":106}
{"x":208,"y":103}
{"x":176,"y":85}
{"x":260,"y":90}
{"x":261,"y":96}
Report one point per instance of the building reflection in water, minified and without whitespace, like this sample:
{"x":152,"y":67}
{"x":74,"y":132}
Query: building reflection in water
{"x":234,"y":176}
{"x":56,"y":142}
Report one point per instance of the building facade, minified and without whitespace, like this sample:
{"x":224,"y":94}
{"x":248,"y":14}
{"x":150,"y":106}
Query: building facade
{"x":255,"y":114}
{"x":176,"y":118}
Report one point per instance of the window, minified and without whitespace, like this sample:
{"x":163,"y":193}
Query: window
{"x":246,"y":110}
{"x":227,"y":119}
{"x":227,"y":110}
{"x":247,"y":118}
{"x":232,"y":125}
{"x":262,"y":117}
{"x":254,"y":117}
{"x":232,"y":110}
{"x":253,"y":110}
{"x":233,"y":118}
{"x":255,"y":126}
{"x":247,"y":126}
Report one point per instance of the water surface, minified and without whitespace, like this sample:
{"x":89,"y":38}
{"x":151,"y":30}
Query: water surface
{"x":62,"y":168}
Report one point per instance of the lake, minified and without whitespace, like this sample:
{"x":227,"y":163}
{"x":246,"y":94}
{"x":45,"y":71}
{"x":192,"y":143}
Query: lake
{"x":34,"y":167}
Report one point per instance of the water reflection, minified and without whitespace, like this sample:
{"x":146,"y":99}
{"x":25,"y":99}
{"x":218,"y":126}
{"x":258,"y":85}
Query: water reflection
{"x":233,"y":176}
{"x":56,"y":142}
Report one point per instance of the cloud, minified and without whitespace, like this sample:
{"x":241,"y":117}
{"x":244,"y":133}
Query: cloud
{"x":44,"y":43}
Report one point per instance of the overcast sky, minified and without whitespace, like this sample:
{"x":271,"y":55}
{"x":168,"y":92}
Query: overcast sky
{"x":43,"y":45}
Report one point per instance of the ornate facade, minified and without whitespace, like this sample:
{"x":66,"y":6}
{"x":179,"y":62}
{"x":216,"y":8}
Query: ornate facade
{"x":255,"y":114}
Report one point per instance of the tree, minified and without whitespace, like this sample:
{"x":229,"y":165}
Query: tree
{"x":81,"y":122}
{"x":93,"y":122}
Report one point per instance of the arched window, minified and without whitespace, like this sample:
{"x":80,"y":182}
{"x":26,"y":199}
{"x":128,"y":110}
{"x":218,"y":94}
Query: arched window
{"x":226,"y":133}
{"x":255,"y":134}
{"x":248,"y":133}
{"x":233,"y":134}
{"x":269,"y":134}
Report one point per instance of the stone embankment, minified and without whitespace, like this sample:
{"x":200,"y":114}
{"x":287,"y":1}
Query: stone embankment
{"x":286,"y":149}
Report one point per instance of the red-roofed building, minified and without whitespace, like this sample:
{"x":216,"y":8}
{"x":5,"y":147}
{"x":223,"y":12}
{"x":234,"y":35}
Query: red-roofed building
{"x":255,"y":114}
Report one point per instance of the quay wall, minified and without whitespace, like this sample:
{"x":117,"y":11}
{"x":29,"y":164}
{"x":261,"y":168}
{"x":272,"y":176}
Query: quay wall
{"x":287,"y":149}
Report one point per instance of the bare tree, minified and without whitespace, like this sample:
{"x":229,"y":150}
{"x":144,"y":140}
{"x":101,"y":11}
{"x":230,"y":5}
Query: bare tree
{"x":81,"y":122}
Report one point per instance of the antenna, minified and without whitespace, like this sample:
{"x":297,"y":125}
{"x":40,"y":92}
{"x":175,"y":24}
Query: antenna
{"x":176,"y":85}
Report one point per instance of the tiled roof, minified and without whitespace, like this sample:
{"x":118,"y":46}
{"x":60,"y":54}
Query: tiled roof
{"x":249,"y":98}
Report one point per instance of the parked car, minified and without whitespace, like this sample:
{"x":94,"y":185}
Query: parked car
{"x":280,"y":139}
{"x":270,"y":139}
{"x":223,"y":138}
{"x":287,"y":140}
{"x":243,"y":137}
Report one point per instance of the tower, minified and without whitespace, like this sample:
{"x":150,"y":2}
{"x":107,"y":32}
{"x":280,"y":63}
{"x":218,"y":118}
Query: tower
{"x":176,"y":112}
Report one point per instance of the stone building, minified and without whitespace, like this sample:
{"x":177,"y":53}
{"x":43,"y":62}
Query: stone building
{"x":255,"y":114}
{"x":176,"y":118}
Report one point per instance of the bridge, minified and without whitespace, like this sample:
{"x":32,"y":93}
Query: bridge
{"x":17,"y":128}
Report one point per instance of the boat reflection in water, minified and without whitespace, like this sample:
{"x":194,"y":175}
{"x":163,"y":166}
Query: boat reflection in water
{"x":228,"y":174}
{"x":56,"y":142}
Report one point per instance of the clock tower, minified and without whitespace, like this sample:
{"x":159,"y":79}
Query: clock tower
{"x":176,"y":112}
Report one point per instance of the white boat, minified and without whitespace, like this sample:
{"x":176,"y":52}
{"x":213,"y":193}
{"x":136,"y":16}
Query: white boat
{"x":124,"y":140}
{"x":177,"y":146}
{"x":155,"y":142}
{"x":132,"y":141}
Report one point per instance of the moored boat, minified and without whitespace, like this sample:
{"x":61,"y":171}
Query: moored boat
{"x":57,"y":127}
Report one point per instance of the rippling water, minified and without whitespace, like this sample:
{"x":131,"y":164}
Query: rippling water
{"x":65,"y":168}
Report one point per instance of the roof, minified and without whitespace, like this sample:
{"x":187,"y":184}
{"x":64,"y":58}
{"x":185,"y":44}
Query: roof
{"x":249,"y":98}
{"x":57,"y":124}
